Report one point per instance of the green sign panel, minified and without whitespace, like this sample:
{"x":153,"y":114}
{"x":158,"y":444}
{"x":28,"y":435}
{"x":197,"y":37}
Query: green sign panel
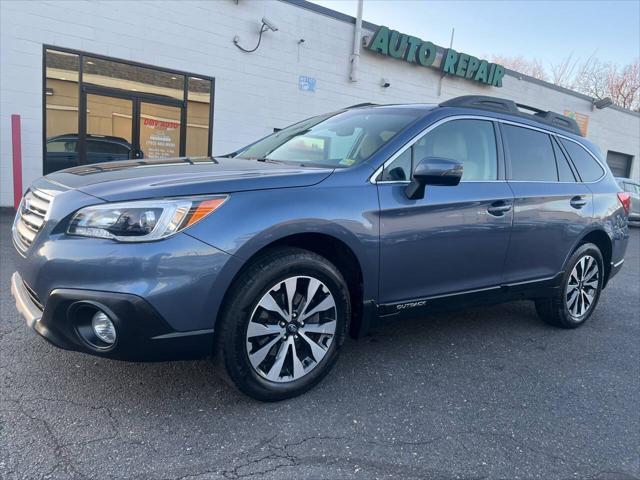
{"x":414,"y":50}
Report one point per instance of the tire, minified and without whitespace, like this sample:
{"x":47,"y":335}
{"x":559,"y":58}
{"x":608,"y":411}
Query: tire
{"x":578,"y":294}
{"x":256,"y":347}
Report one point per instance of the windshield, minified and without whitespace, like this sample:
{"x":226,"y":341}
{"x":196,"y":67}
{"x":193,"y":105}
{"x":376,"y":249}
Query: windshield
{"x":334,"y":140}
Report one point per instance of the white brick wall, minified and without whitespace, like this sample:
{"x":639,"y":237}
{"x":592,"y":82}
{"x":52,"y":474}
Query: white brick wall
{"x":254,"y":92}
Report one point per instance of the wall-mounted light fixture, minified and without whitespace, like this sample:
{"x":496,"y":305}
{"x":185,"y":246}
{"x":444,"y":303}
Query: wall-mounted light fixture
{"x":266,"y":25}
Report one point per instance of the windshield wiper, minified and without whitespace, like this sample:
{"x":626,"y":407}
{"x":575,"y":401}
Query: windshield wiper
{"x":265,"y":160}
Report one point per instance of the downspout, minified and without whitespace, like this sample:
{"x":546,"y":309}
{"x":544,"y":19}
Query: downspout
{"x":357,"y":40}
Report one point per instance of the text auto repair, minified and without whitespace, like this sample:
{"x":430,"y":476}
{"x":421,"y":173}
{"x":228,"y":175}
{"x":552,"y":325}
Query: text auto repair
{"x":414,"y":50}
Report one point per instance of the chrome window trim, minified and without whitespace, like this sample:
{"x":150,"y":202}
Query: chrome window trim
{"x":409,"y":144}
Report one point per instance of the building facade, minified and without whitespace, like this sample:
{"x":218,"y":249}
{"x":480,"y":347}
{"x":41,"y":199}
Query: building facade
{"x":105,"y":80}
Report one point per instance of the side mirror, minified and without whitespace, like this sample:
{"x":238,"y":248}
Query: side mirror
{"x":434,"y":171}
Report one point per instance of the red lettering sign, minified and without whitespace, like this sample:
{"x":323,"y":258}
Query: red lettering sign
{"x":160,"y":123}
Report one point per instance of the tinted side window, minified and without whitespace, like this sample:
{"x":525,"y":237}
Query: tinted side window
{"x":588,"y":169}
{"x":471,"y":142}
{"x":565,"y":174}
{"x":531,"y":154}
{"x":67,"y":146}
{"x":117,"y":148}
{"x":97,"y":146}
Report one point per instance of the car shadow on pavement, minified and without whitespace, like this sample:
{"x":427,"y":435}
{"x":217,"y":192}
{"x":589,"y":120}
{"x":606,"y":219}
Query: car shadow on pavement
{"x":157,"y":383}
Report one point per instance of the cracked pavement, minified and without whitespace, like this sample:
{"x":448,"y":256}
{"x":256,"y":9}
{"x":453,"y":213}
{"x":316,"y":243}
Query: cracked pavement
{"x":487,"y":393}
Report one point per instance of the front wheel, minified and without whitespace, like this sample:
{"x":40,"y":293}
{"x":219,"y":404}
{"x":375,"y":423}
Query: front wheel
{"x":579,"y":292}
{"x":283,"y":323}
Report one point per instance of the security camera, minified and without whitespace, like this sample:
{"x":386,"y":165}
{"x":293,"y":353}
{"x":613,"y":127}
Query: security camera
{"x":269,"y":24}
{"x":384,"y":83}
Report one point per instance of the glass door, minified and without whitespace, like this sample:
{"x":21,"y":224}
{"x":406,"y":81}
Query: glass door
{"x":160,"y":130}
{"x":118,"y":125}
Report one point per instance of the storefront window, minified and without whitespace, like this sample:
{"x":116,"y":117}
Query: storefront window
{"x":124,"y":76}
{"x":199,"y":106}
{"x":99,"y":109}
{"x":109,"y":128}
{"x":61,"y":110}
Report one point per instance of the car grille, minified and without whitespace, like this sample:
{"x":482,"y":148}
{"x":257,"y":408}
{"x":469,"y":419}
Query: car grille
{"x":31,"y":216}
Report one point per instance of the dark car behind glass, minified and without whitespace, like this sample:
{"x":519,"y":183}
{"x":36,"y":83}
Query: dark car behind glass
{"x":62,"y":151}
{"x":268,"y":257}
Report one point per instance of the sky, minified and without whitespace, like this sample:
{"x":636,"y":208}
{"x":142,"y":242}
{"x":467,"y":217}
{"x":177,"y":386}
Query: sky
{"x":548,"y":31}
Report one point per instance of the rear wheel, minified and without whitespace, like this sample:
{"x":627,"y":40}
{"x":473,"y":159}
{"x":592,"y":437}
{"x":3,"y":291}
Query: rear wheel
{"x":283,"y":324}
{"x":579,"y":293}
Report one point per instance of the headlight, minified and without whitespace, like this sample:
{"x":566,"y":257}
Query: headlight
{"x":144,"y":220}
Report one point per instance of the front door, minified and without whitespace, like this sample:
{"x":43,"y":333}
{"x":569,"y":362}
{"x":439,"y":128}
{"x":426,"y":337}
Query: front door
{"x":119,"y":125}
{"x":454,"y":239}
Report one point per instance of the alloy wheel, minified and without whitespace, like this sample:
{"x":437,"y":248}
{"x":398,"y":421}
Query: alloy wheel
{"x":582,"y":286}
{"x":291,"y":329}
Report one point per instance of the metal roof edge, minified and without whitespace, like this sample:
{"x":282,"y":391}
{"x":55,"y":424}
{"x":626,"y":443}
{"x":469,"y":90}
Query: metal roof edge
{"x":343,"y":17}
{"x":568,"y":91}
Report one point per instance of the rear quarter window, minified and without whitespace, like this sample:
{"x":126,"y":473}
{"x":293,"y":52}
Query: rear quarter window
{"x":588,"y":168}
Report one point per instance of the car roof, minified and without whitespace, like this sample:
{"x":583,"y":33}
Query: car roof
{"x":91,"y":136}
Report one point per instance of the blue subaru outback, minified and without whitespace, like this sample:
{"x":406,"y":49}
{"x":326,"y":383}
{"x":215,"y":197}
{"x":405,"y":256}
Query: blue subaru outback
{"x":267,"y":258}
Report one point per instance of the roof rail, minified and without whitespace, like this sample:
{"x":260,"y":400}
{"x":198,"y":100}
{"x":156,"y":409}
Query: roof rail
{"x":502,"y":105}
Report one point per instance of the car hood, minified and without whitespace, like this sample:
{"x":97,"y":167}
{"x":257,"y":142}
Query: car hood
{"x":150,"y":178}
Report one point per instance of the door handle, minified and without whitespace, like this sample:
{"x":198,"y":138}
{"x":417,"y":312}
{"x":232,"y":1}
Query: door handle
{"x":499,"y":208}
{"x":578,"y":202}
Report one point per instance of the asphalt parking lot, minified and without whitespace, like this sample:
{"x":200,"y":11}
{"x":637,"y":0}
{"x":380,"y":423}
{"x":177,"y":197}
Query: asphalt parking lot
{"x":487,"y":393}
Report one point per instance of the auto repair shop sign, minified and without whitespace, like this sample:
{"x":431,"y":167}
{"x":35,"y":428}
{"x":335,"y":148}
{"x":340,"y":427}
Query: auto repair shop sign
{"x":414,"y":50}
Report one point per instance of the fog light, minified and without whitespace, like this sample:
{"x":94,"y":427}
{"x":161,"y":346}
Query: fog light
{"x":103,"y":328}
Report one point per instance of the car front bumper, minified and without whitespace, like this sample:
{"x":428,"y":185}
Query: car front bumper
{"x":142,"y":334}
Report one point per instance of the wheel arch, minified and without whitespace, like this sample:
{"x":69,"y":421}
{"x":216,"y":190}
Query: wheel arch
{"x":335,"y":250}
{"x":601,"y":239}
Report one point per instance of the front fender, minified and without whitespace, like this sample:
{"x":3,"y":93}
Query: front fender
{"x":251,"y":221}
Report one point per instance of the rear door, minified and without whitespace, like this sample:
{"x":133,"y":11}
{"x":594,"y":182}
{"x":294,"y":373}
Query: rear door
{"x":455,"y":238}
{"x":552,"y":208}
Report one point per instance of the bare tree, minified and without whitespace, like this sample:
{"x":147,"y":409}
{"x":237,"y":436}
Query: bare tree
{"x":533,"y":68}
{"x":624,"y":86}
{"x":590,"y":76}
{"x":599,"y":80}
{"x":564,"y":73}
